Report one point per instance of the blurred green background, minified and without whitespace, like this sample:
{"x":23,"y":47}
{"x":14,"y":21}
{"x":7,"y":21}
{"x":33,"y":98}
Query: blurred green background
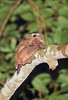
{"x":18,"y":19}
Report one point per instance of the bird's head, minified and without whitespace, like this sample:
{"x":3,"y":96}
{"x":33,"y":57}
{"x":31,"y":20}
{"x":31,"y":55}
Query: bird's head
{"x":36,"y":35}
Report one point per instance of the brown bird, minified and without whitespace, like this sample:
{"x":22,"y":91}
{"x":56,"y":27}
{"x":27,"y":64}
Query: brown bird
{"x":27,"y":48}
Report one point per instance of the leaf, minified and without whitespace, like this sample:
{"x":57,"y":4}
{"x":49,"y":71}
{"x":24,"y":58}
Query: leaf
{"x":32,"y":27}
{"x":62,"y":79}
{"x":58,"y":35}
{"x":46,"y":77}
{"x":64,"y":89}
{"x":5,"y":49}
{"x":13,"y":43}
{"x":47,"y":13}
{"x":14,"y":34}
{"x":23,"y":8}
{"x":54,"y":96}
{"x":63,"y":71}
{"x":11,"y":71}
{"x":4,"y":77}
{"x":65,"y":96}
{"x":40,"y":82}
{"x":13,"y":18}
{"x":9,"y":66}
{"x":8,"y":56}
{"x":39,"y":86}
{"x":63,"y":11}
{"x":8,"y":2}
{"x":39,"y":2}
{"x":10,"y":28}
{"x":63,"y":22}
{"x":2,"y":68}
{"x":28,"y":16}
{"x":57,"y":96}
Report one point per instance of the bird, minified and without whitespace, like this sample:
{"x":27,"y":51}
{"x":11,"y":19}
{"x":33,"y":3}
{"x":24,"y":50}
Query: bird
{"x":26,"y":50}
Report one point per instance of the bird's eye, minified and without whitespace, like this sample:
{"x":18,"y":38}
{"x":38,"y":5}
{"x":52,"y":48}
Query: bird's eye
{"x":34,"y":35}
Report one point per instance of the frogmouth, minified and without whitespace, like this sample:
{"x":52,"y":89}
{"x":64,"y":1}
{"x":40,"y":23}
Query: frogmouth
{"x":26,"y":50}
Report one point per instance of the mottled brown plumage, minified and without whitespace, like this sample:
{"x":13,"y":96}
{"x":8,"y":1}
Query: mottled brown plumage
{"x":27,"y":49}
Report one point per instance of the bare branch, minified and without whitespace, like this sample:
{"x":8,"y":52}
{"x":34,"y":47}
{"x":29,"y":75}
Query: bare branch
{"x":49,"y":55}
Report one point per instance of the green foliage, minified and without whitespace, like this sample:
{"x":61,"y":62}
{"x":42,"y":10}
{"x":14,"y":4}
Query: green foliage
{"x":43,"y":83}
{"x":62,"y":78}
{"x":20,"y":24}
{"x":56,"y":96}
{"x":40,"y":83}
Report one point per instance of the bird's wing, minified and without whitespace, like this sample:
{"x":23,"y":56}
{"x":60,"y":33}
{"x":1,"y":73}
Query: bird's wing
{"x":25,"y":54}
{"x":22,"y":44}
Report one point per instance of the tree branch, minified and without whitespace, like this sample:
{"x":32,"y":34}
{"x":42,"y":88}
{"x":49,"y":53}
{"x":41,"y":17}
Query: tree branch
{"x":49,"y":55}
{"x":8,"y":17}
